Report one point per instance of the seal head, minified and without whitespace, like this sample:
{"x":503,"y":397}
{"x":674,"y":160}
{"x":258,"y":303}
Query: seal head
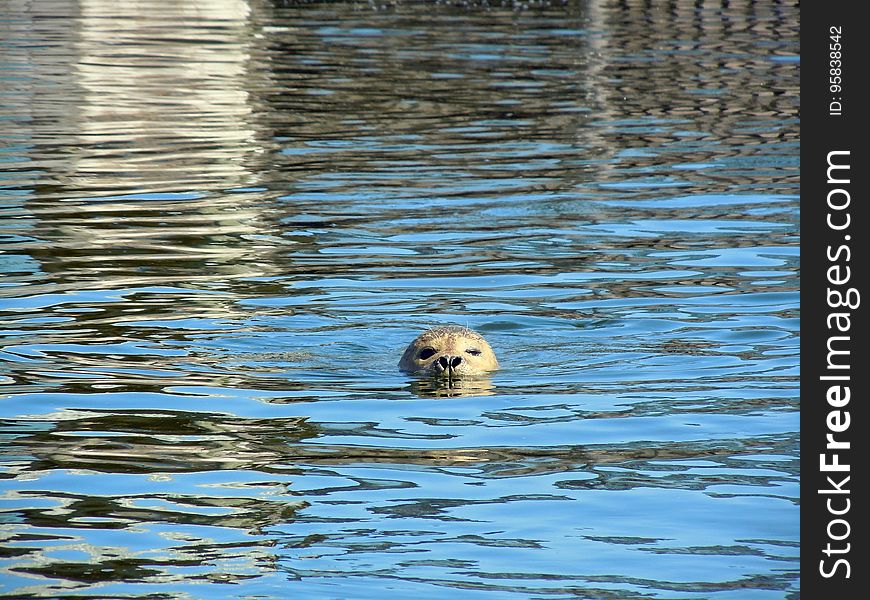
{"x":449,"y":352}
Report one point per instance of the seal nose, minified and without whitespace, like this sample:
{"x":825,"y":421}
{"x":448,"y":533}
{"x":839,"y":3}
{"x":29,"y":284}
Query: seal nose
{"x":449,"y":362}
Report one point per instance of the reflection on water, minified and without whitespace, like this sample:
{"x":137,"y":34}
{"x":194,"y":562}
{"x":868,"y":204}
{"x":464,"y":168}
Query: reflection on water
{"x":222,"y":221}
{"x":452,"y":388}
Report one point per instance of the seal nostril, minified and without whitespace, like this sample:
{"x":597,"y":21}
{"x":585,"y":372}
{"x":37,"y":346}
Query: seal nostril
{"x":443,"y":362}
{"x":454,"y":362}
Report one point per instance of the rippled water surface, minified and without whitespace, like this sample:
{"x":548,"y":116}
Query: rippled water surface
{"x":223,"y":220}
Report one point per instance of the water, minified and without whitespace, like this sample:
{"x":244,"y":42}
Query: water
{"x":223,"y":221}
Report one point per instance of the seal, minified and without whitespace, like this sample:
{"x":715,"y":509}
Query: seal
{"x":449,"y":351}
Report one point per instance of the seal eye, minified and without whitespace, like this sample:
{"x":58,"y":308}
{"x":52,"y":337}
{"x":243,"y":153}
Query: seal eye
{"x":426,"y":353}
{"x":473,"y":351}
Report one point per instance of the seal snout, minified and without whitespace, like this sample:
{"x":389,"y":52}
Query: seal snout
{"x":448,"y":363}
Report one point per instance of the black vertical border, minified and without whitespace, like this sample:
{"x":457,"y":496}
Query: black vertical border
{"x":824,"y":129}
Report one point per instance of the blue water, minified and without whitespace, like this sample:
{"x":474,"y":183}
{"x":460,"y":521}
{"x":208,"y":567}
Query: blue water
{"x":222,"y":222}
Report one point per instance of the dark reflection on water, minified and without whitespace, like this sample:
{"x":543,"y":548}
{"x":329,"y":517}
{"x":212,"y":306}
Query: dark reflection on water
{"x":222,"y":221}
